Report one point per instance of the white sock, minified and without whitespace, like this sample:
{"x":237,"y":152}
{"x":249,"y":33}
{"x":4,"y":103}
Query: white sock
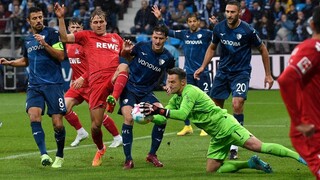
{"x":233,"y":147}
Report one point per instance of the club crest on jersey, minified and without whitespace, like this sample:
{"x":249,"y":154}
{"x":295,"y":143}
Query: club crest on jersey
{"x":76,"y":51}
{"x":114,"y":40}
{"x":161,"y":61}
{"x":317,"y":46}
{"x":304,"y":65}
{"x":239,"y":36}
{"x":199,"y":36}
{"x":125,"y":101}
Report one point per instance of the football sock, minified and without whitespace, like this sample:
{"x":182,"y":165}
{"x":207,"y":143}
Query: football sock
{"x":187,"y":122}
{"x":156,"y":137}
{"x":232,"y":166}
{"x":278,"y":150}
{"x":119,"y":84}
{"x":109,"y":124}
{"x":38,"y":135}
{"x":97,"y":138}
{"x":239,"y":117}
{"x":60,"y":135}
{"x":73,"y":120}
{"x":127,"y":139}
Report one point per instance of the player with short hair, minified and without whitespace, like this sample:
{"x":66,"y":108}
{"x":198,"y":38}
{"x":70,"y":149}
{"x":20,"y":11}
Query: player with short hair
{"x":79,"y":90}
{"x":106,"y":75}
{"x":190,"y":102}
{"x":148,"y":60}
{"x":300,"y":89}
{"x":42,"y":53}
{"x":236,"y":38}
{"x":195,"y":43}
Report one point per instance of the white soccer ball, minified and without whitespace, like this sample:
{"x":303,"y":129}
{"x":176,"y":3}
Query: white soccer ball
{"x":137,"y":116}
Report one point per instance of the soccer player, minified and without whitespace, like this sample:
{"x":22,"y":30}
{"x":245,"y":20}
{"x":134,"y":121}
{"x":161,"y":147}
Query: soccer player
{"x":300,"y":90}
{"x":236,"y":38}
{"x":190,"y":102}
{"x":148,"y":60}
{"x":106,"y":76}
{"x":79,"y":90}
{"x":195,"y":43}
{"x":42,"y":53}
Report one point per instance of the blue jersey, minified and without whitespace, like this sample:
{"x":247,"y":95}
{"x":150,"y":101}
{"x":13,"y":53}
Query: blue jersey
{"x":235,"y":46}
{"x":43,"y":69}
{"x":146,"y":68}
{"x":195,"y":45}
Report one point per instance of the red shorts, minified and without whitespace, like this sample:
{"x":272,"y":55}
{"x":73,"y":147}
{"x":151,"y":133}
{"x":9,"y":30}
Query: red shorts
{"x":309,"y":149}
{"x":80,"y":95}
{"x":101,"y":86}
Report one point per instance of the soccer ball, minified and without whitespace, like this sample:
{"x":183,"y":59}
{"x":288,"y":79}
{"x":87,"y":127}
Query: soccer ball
{"x":137,"y":116}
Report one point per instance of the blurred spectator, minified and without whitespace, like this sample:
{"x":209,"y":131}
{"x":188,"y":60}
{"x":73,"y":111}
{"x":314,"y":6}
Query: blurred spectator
{"x":309,"y":7}
{"x":144,"y":20}
{"x":284,"y":34}
{"x":245,"y":12}
{"x":300,"y":29}
{"x":166,"y":15}
{"x":12,"y":4}
{"x":112,"y":10}
{"x":17,"y":19}
{"x":4,"y":15}
{"x":190,"y":6}
{"x":292,"y":13}
{"x":49,"y":14}
{"x":278,"y":10}
{"x":209,"y":10}
{"x":84,"y":15}
{"x":256,"y":12}
{"x":265,"y":28}
{"x":53,"y":23}
{"x":179,"y":17}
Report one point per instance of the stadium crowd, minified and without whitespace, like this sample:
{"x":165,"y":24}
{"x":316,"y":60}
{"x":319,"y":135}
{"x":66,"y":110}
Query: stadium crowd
{"x":280,"y":20}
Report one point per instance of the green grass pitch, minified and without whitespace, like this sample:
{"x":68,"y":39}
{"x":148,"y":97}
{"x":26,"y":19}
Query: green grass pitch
{"x":183,"y":157}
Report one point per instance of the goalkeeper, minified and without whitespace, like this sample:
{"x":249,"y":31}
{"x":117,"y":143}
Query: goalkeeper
{"x":189,"y":102}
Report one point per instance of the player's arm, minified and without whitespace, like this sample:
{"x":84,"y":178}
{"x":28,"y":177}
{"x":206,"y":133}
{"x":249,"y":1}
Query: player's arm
{"x":207,"y":58}
{"x":21,"y":62}
{"x":56,"y":50}
{"x":266,"y":64}
{"x":64,"y":36}
{"x":127,"y":49}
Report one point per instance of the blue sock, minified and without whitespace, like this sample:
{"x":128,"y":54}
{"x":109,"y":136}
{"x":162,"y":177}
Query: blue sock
{"x":38,"y":135}
{"x":127,"y":139}
{"x":60,"y":135}
{"x":156,"y":137}
{"x":240,"y":118}
{"x":187,"y":122}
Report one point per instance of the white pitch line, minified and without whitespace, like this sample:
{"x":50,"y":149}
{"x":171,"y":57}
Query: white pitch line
{"x":71,"y":148}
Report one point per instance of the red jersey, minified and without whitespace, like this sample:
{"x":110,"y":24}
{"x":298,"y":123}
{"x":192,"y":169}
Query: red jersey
{"x":102,"y":52}
{"x":300,"y":85}
{"x":78,"y":62}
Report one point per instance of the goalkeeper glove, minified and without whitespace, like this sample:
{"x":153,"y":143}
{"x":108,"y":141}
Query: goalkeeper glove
{"x":150,"y":109}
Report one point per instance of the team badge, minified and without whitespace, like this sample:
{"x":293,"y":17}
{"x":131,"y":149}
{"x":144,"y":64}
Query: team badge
{"x":161,"y":61}
{"x":113,"y":39}
{"x":76,"y":51}
{"x":239,"y":36}
{"x":199,"y":36}
{"x":125,"y":101}
{"x":304,"y":65}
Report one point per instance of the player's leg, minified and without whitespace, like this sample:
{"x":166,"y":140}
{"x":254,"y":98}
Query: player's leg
{"x":127,"y":135}
{"x":119,"y":81}
{"x":54,"y":95}
{"x":35,"y":108}
{"x":73,"y":118}
{"x":239,"y":87}
{"x":187,"y":129}
{"x":109,"y":124}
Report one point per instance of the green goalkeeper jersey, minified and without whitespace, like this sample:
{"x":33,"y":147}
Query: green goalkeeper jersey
{"x":197,"y":106}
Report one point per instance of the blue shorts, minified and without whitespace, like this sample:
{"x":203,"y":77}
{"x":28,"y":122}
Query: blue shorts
{"x":204,"y":83}
{"x":51,"y":95}
{"x":128,"y":98}
{"x":226,"y":83}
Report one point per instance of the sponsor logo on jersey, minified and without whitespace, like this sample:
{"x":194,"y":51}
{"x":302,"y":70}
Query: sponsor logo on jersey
{"x":230,"y":43}
{"x":35,"y":48}
{"x":107,"y":46}
{"x":74,"y":61}
{"x":148,"y":65}
{"x":193,"y":42}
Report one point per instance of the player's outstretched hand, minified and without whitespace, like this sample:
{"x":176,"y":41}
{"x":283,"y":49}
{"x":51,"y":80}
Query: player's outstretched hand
{"x":197,"y":73}
{"x":306,"y":129}
{"x":151,"y":109}
{"x":59,"y":10}
{"x":4,"y":61}
{"x":157,"y":12}
{"x":146,"y":108}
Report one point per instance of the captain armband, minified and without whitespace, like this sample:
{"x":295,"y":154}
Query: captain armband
{"x":58,"y":46}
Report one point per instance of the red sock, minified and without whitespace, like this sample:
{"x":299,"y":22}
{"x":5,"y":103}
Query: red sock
{"x":119,"y":84}
{"x":109,"y":124}
{"x":97,"y":138}
{"x":73,"y":120}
